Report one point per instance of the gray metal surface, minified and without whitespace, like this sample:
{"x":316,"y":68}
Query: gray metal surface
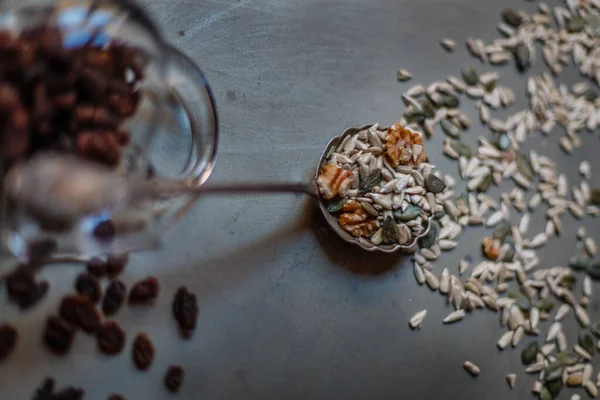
{"x":288,"y":310}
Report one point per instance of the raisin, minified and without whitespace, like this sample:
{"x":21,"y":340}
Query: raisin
{"x":116,"y":397}
{"x":59,"y":335}
{"x":24,"y":290}
{"x":88,"y":285}
{"x":116,"y":263}
{"x":111,"y":338}
{"x":144,"y":291}
{"x":8,"y":340}
{"x":114,"y":297}
{"x":46,"y":391}
{"x":105,"y":230}
{"x":185,"y":309}
{"x":69,"y":393}
{"x":79,"y":310}
{"x":97,"y":267}
{"x":174,"y":378}
{"x":143,"y":352}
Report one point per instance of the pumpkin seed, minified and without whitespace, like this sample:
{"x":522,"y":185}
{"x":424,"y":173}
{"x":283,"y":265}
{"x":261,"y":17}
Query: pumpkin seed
{"x":545,"y":394}
{"x":485,"y":183}
{"x":586,"y":340}
{"x":524,"y":166}
{"x":428,"y":240}
{"x":593,"y":24}
{"x":470,"y":76}
{"x":594,"y":271}
{"x":403,"y":75}
{"x":545,"y":305}
{"x":411,"y":212}
{"x":522,"y":301}
{"x":434,"y":184}
{"x":595,"y":196}
{"x":579,"y":262}
{"x":529,"y":353}
{"x":415,"y":116}
{"x":567,"y":281}
{"x":490,"y":85}
{"x":511,"y":17}
{"x":450,"y":129}
{"x":567,"y":358}
{"x":553,"y":371}
{"x":372,"y":180}
{"x":390,"y":231}
{"x":449,"y":100}
{"x":575,"y":24}
{"x":555,"y":386}
{"x":590,"y":94}
{"x":595,"y":329}
{"x":463,"y":150}
{"x":335,"y":205}
{"x":502,"y":230}
{"x":503,"y":142}
{"x":522,"y":57}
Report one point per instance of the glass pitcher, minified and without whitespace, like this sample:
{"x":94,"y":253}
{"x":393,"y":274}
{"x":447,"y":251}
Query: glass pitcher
{"x":160,"y":100}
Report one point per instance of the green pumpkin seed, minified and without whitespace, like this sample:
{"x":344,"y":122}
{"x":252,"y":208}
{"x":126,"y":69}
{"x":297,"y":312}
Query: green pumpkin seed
{"x":502,"y":230}
{"x":462,"y":149}
{"x":369,"y":209}
{"x":511,"y":17}
{"x":522,"y":301}
{"x":485,"y":184}
{"x":579,"y":262}
{"x":594,"y":24}
{"x":335,"y":205}
{"x":575,"y":24}
{"x":409,"y":214}
{"x":434,"y":184}
{"x":450,"y":129}
{"x":545,"y":305}
{"x":369,"y":182}
{"x":595,"y":196}
{"x":490,"y":86}
{"x":567,"y":281}
{"x":594,"y":271}
{"x":470,"y":76}
{"x":553,"y":371}
{"x":529,"y":353}
{"x":595,"y":329}
{"x":449,"y":100}
{"x":415,"y":116}
{"x":555,"y":386}
{"x":428,"y":240}
{"x":390,"y":232}
{"x":590,"y":94}
{"x":524,"y":166}
{"x":522,"y":57}
{"x":428,"y":108}
{"x":503,"y":142}
{"x":586,"y":340}
{"x":567,"y":358}
{"x":545,"y":394}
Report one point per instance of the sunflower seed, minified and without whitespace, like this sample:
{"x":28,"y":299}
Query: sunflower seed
{"x":590,"y":246}
{"x":431,"y":280}
{"x":505,"y":340}
{"x":403,"y":75}
{"x":511,"y":379}
{"x":454,"y":317}
{"x":517,"y":336}
{"x":471,"y":368}
{"x":475,"y":92}
{"x":585,"y":169}
{"x":444,"y":281}
{"x":591,"y":388}
{"x":562,"y":311}
{"x":419,"y":274}
{"x":417,"y":319}
{"x":535,"y":368}
{"x":448,"y":44}
{"x":582,"y":315}
{"x":588,"y":370}
{"x":553,"y":331}
{"x":582,"y":352}
{"x":537,"y":387}
{"x":415,"y":91}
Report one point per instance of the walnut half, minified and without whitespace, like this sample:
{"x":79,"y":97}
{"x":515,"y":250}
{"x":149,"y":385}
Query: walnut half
{"x":357,"y":223}
{"x":404,"y":147}
{"x":334,"y":181}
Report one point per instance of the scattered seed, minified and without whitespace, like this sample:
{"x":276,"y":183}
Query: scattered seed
{"x":417,"y":319}
{"x":454,"y":316}
{"x":471,"y":368}
{"x":403,"y":75}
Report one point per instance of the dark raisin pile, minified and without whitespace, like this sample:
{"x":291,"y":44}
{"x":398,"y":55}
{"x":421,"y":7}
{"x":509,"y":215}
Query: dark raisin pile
{"x":24,"y":290}
{"x":113,"y":297}
{"x":144,"y":291}
{"x":80,"y":310}
{"x":59,"y":335}
{"x":174,"y":378}
{"x":8,"y":340}
{"x":88,"y":285}
{"x":111,"y":338}
{"x":143,"y":352}
{"x":48,"y":392}
{"x":185,"y":310}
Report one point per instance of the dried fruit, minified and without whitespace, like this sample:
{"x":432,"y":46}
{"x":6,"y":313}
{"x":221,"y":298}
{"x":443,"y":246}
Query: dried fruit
{"x":24,"y":290}
{"x":144,"y":291}
{"x":143,"y":352}
{"x":110,"y":338}
{"x":489,"y":248}
{"x":114,"y":297}
{"x":8,"y":340}
{"x":88,"y":285}
{"x":399,"y":146}
{"x":46,"y":391}
{"x":97,"y":266}
{"x":116,"y":397}
{"x":116,"y":263}
{"x":80,"y":310}
{"x":174,"y":378}
{"x":59,"y":335}
{"x":358,"y":223}
{"x":185,"y":310}
{"x":334,"y":181}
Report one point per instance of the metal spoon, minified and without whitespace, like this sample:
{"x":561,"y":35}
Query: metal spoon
{"x":65,"y":188}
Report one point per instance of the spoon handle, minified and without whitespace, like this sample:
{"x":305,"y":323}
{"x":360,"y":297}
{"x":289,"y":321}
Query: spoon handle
{"x":168,"y":188}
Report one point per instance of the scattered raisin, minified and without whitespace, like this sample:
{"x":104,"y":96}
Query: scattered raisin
{"x":88,"y":285}
{"x":69,"y":393}
{"x":45,"y":391}
{"x":79,"y":310}
{"x":97,"y":267}
{"x":143,"y":351}
{"x":114,"y":297}
{"x":105,"y":230}
{"x":174,"y":378}
{"x":59,"y":335}
{"x":144,"y":291}
{"x":8,"y":340}
{"x":185,"y":309}
{"x":111,"y":338}
{"x":116,"y":397}
{"x":116,"y":263}
{"x":24,"y":290}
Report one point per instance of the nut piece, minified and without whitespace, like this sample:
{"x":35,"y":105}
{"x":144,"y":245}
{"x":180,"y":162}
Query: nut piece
{"x":358,"y":223}
{"x":334,"y":181}
{"x":399,"y":146}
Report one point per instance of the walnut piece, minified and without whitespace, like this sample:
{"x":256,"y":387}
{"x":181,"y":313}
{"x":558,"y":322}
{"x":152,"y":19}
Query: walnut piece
{"x":400,"y":147}
{"x":358,"y":223}
{"x":334,"y":181}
